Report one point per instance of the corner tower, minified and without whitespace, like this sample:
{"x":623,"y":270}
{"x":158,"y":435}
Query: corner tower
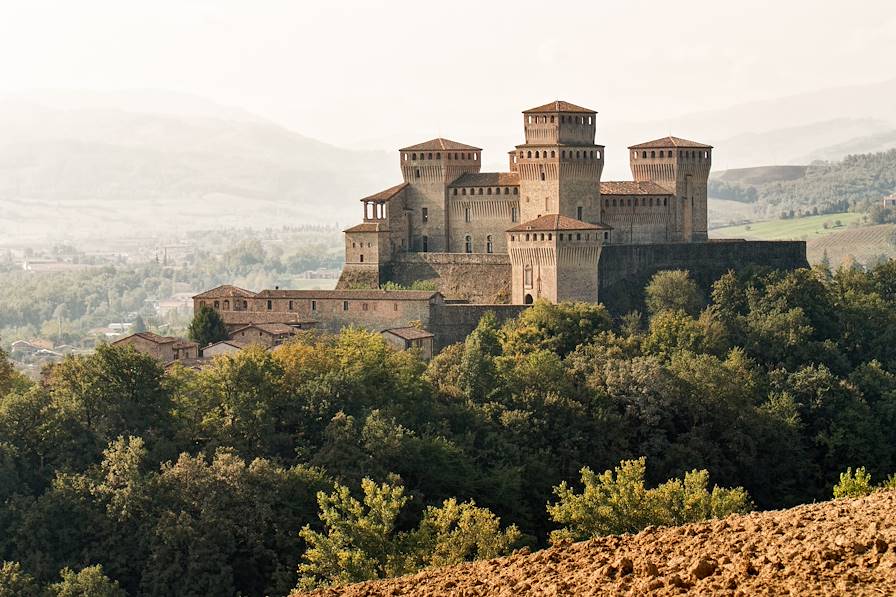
{"x":428,"y":168}
{"x":682,"y":167}
{"x":559,"y":165}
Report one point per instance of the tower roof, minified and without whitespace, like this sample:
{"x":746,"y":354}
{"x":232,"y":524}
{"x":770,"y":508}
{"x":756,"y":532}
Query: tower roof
{"x":551,"y":222}
{"x":559,"y":106}
{"x":670,"y":141}
{"x":440,"y":143}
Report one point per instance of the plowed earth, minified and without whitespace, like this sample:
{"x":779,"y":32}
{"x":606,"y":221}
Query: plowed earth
{"x":843,"y":547}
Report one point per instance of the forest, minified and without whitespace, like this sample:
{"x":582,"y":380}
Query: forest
{"x":334,"y":459}
{"x":856,"y":183}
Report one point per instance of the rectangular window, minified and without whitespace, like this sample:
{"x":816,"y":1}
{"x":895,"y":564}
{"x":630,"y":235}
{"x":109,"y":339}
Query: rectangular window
{"x":290,"y":305}
{"x":579,"y":212}
{"x":424,"y":214}
{"x":467,"y":214}
{"x":270,"y":304}
{"x":364,"y":306}
{"x":395,"y":306}
{"x":345,"y":305}
{"x":314,"y":305}
{"x":513,"y":214}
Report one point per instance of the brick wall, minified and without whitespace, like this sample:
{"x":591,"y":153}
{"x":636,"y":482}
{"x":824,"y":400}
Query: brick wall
{"x":453,"y":323}
{"x":477,"y":278}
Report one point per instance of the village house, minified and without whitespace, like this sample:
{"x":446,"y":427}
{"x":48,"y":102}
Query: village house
{"x":163,"y":348}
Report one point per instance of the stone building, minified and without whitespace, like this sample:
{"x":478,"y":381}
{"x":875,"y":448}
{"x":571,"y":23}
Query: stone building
{"x":163,"y":348}
{"x":446,"y":205}
{"x":549,"y":228}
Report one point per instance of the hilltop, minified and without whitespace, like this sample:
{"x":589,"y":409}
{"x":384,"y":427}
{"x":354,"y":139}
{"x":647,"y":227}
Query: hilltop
{"x":843,"y":547}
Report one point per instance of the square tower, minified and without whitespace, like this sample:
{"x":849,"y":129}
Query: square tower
{"x":682,"y":167}
{"x":555,"y":258}
{"x":559,"y":165}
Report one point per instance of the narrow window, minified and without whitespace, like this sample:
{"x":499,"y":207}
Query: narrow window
{"x":290,"y":305}
{"x":364,"y":306}
{"x":362,"y":257}
{"x":314,"y":305}
{"x":425,"y":243}
{"x":270,"y":304}
{"x":578,"y":236}
{"x":542,"y":176}
{"x":468,"y":244}
{"x":579,"y":212}
{"x":467,"y":215}
{"x":488,"y":244}
{"x":417,"y":173}
{"x":217,"y":304}
{"x":424,"y":214}
{"x":345,"y":305}
{"x":527,"y":276}
{"x":226,"y":305}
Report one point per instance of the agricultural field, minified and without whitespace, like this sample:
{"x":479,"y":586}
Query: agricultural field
{"x":865,"y":244}
{"x":805,"y":228}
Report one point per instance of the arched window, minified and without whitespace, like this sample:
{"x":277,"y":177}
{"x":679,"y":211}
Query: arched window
{"x":438,"y":156}
{"x":542,"y":175}
{"x":643,"y":154}
{"x":506,"y":190}
{"x":362,"y":257}
{"x":592,"y":155}
{"x":614,"y":203}
{"x":447,"y":156}
{"x":527,"y":279}
{"x":480,"y":190}
{"x":226,"y":305}
{"x":475,"y":157}
{"x":653,"y":154}
{"x":489,"y":247}
{"x":665,"y":201}
{"x":530,"y":120}
{"x":463,"y":191}
{"x":542,"y":236}
{"x":563,"y":154}
{"x":589,"y":120}
{"x":552,"y":119}
{"x":404,"y":156}
{"x":578,"y":155}
{"x":553,"y":153}
{"x":429,"y":156}
{"x":468,"y":243}
{"x":550,"y":236}
{"x":489,"y":191}
{"x":528,"y":154}
{"x":454,"y":192}
{"x":536,"y":155}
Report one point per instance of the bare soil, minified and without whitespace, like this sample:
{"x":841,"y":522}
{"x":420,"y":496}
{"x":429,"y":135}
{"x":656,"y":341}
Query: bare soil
{"x":843,"y":547}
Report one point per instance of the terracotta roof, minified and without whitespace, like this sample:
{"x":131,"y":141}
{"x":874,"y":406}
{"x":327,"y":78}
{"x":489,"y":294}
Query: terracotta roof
{"x":409,"y":333}
{"x":440,"y":143}
{"x":631,"y":187}
{"x":186,"y":344}
{"x":150,"y":336}
{"x":387,"y":194}
{"x":670,"y":142}
{"x":368,"y":227}
{"x":270,"y":328}
{"x":226,"y":291}
{"x":487,"y":179}
{"x":556,"y":222}
{"x":371,"y":294}
{"x":559,"y":106}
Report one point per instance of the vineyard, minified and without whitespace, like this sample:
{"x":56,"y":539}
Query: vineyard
{"x":864,"y":244}
{"x":805,"y":228}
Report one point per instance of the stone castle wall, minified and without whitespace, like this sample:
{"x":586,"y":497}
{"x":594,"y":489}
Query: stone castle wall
{"x":624,"y":270}
{"x":453,"y":323}
{"x":479,"y":278}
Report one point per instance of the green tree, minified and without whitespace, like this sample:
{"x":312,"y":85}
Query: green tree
{"x":139,"y":325}
{"x":559,"y":328}
{"x":15,"y":582}
{"x":672,"y":290}
{"x":207,"y":327}
{"x":88,"y":582}
{"x":360,"y":541}
{"x":617,"y":502}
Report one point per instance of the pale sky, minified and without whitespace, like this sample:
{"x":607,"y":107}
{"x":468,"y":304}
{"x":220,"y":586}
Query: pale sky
{"x":349,"y":71}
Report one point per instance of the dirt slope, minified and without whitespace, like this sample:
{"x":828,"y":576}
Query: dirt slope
{"x":845,"y":547}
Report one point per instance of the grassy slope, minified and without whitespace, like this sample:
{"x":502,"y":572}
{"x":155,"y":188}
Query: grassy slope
{"x":805,"y":228}
{"x":864,"y":243}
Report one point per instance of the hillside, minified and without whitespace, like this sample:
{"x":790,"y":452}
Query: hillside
{"x":843,"y":547}
{"x":78,"y":172}
{"x":804,"y":228}
{"x":865,"y":244}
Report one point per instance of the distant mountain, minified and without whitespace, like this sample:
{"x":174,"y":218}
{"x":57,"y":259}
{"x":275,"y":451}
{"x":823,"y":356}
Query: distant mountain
{"x":72,"y":172}
{"x":824,"y":124}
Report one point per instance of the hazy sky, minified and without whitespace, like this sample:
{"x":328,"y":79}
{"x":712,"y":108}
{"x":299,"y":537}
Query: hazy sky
{"x":349,"y":71}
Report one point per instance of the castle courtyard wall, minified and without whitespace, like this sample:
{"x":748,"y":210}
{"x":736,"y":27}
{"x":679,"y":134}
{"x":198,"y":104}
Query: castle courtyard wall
{"x":479,"y":278}
{"x":452,"y":323}
{"x":624,"y":270}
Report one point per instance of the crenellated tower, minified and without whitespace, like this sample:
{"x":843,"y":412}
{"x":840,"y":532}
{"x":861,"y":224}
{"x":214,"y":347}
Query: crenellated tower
{"x":559,"y":165}
{"x":682,"y":167}
{"x":428,"y":168}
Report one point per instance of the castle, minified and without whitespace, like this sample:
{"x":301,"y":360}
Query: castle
{"x":548,"y":228}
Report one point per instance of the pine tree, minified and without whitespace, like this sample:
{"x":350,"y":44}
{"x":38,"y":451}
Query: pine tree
{"x":207,"y":327}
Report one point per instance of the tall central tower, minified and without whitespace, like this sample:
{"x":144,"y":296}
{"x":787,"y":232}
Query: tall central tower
{"x":559,"y":165}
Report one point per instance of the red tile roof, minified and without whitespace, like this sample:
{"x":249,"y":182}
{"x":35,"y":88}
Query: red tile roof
{"x":556,"y":222}
{"x":149,"y":336}
{"x":670,"y":142}
{"x":559,"y":106}
{"x":348,"y":295}
{"x":440,"y":143}
{"x":225,"y":291}
{"x":387,"y":194}
{"x":487,"y":179}
{"x":631,"y":187}
{"x":409,"y":333}
{"x":368,"y":227}
{"x":270,"y":328}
